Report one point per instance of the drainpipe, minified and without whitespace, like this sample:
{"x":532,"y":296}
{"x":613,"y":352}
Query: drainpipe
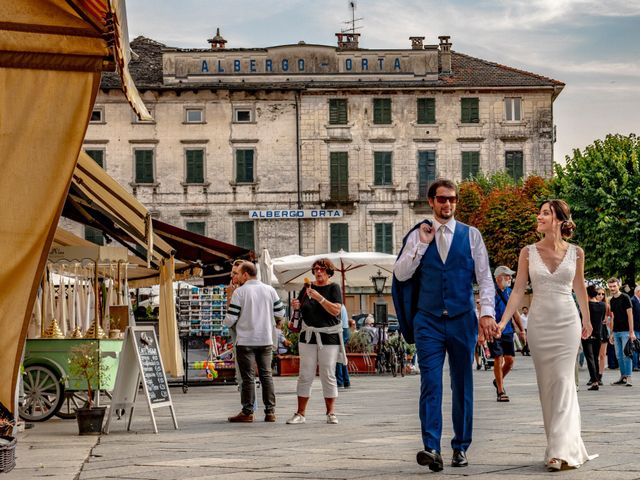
{"x":298,"y":169}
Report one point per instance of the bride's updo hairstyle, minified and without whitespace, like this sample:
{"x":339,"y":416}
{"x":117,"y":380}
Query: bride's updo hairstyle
{"x":562,"y":212}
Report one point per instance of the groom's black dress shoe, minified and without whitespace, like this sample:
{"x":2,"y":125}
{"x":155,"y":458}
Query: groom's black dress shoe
{"x":459,"y":459}
{"x":431,"y":458}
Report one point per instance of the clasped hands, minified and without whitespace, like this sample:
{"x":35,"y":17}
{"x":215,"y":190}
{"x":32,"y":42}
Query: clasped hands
{"x":490,"y":329}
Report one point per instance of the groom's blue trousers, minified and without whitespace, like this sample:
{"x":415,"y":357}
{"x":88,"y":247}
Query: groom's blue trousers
{"x":455,"y":336}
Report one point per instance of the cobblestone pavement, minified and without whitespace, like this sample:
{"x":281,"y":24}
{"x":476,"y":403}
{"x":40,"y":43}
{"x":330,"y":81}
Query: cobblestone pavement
{"x":378,"y":436}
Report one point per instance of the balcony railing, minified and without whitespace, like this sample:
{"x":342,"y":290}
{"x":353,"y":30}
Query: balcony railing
{"x":347,"y":193}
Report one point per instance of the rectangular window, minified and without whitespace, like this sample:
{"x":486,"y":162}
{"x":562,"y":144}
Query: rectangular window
{"x":97,"y":115}
{"x":195,"y":165}
{"x":338,"y":111}
{"x":470,"y":110}
{"x":244,"y":166}
{"x":384,"y":237}
{"x":514,"y":163}
{"x":470,"y":165}
{"x":144,"y":165}
{"x":242,"y":115}
{"x":97,"y":155}
{"x":151,"y":112}
{"x":426,"y":110}
{"x":196,"y":227}
{"x":194,"y":115}
{"x":339,"y":175}
{"x":382,"y":111}
{"x":513,"y":109}
{"x":93,"y":235}
{"x":382,"y":168}
{"x":339,"y":237}
{"x":426,"y":171}
{"x":245,"y":235}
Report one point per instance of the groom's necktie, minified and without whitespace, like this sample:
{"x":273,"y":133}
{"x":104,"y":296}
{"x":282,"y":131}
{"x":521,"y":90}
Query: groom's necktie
{"x":443,"y":246}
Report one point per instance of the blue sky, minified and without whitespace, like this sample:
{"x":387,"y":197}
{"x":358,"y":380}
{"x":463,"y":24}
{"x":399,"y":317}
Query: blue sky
{"x":592,"y":46}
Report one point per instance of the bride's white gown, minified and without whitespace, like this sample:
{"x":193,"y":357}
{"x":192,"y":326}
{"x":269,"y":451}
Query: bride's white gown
{"x":554,"y":332}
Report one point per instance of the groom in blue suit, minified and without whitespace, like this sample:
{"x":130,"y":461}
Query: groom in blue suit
{"x":433,"y":296}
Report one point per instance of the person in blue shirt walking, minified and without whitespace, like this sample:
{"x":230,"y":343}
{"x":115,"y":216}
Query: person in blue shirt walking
{"x":502,"y":349}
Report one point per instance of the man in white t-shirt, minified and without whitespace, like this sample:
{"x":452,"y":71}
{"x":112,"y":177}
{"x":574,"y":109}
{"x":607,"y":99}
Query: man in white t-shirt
{"x":251,"y":311}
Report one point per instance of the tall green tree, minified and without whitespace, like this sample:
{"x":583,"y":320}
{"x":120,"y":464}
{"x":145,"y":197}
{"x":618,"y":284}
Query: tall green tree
{"x":602,"y":186}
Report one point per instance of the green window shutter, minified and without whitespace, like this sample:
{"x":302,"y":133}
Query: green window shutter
{"x":514,"y":163}
{"x":245,"y":235}
{"x":339,"y":237}
{"x":339,"y":175}
{"x":382,"y":111}
{"x":97,"y":155}
{"x":470,"y":110}
{"x":144,"y":166}
{"x":426,"y":171}
{"x":470,"y":165}
{"x":426,"y":110}
{"x":338,"y":111}
{"x":382,"y":168}
{"x":93,"y":235}
{"x":195,"y":166}
{"x":384,"y":237}
{"x":244,"y":166}
{"x":196,"y":227}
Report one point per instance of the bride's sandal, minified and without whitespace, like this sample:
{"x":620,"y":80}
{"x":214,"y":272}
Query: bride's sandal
{"x":555,"y":465}
{"x":502,"y":397}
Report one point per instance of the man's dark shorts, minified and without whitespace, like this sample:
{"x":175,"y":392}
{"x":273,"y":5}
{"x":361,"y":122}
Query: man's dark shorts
{"x":503,"y":346}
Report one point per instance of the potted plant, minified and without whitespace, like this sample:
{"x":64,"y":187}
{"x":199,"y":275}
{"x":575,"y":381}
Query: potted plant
{"x":289,"y":364}
{"x":359,"y":353}
{"x":86,"y":364}
{"x":7,"y":441}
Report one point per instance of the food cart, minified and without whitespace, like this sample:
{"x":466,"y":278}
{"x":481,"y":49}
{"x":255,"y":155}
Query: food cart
{"x":64,"y":320}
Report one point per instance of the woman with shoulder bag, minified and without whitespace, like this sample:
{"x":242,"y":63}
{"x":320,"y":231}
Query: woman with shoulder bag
{"x":321,"y":344}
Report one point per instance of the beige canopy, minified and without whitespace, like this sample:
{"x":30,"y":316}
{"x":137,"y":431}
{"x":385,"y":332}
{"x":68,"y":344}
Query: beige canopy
{"x":52,"y":53}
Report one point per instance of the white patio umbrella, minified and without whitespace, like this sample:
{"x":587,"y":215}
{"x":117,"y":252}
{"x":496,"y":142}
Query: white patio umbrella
{"x":265,"y":267}
{"x":355,"y":269}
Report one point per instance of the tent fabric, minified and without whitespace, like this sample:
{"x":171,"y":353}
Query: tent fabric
{"x":50,"y":63}
{"x":38,"y":145}
{"x":170,"y":350}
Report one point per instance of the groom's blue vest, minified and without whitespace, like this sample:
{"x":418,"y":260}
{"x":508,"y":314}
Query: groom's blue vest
{"x":437,"y":287}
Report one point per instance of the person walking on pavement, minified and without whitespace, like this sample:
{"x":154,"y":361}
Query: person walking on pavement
{"x":621,"y":309}
{"x":635,"y":312}
{"x":433,"y":296}
{"x":591,"y":345}
{"x":252,"y":310}
{"x":502,"y":348}
{"x":556,"y":270}
{"x":342,"y":371}
{"x":604,"y":334}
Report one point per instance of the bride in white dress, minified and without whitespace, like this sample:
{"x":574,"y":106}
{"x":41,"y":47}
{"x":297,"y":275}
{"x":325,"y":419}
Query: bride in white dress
{"x":555,"y":268}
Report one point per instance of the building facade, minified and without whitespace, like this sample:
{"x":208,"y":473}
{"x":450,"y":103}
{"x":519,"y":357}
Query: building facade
{"x":244,"y":140}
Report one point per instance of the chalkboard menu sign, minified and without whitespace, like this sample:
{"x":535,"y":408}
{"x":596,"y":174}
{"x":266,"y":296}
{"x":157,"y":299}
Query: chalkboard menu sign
{"x":140,"y":362}
{"x":152,"y":371}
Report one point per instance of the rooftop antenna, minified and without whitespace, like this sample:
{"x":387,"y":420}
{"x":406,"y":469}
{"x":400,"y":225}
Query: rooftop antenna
{"x":354,"y":20}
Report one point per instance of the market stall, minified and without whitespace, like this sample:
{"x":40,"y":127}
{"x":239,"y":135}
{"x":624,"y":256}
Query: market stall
{"x":83,"y":298}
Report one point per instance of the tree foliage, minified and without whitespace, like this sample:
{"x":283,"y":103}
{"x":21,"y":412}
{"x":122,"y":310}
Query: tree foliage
{"x":504,"y":212}
{"x":602,"y":186}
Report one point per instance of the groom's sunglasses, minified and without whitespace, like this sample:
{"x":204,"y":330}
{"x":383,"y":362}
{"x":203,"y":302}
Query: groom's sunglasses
{"x":442,"y":199}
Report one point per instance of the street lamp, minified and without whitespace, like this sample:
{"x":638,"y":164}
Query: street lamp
{"x":380,"y":306}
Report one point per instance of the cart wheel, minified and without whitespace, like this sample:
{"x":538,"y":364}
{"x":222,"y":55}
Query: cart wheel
{"x":72,"y":401}
{"x":185,"y":388}
{"x":43,"y":393}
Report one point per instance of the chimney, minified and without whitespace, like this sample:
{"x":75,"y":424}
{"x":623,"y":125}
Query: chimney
{"x":348,"y":40}
{"x":445,"y":54}
{"x":217,"y":42}
{"x":416,"y":43}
